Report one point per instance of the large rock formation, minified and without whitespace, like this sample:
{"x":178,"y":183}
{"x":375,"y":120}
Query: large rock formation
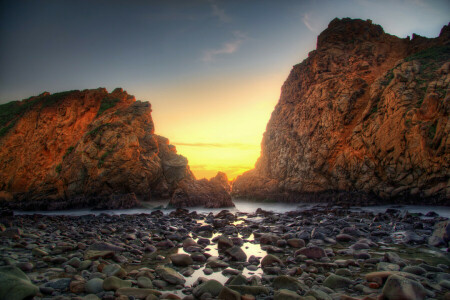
{"x":87,"y":148}
{"x":364,"y":116}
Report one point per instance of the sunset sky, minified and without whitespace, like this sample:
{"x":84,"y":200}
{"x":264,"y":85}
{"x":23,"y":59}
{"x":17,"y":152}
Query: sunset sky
{"x":211,"y":69}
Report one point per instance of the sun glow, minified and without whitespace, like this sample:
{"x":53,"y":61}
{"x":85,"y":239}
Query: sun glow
{"x":217,"y":129}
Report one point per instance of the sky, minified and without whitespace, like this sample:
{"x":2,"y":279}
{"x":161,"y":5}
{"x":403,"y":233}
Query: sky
{"x":212,"y":69}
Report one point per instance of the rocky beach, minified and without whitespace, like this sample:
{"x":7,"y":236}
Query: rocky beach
{"x":363,"y":120}
{"x":323,"y":252}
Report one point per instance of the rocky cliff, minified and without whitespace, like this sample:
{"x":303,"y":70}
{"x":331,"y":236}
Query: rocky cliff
{"x":365,"y":116}
{"x":89,"y":148}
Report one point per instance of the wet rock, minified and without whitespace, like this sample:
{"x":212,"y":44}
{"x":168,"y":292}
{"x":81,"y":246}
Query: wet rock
{"x":269,"y":239}
{"x":334,"y":281}
{"x":15,"y":285}
{"x":252,"y":290}
{"x":296,"y":243}
{"x":343,"y":237}
{"x":181,"y":260}
{"x":270,"y":260}
{"x":61,"y":285}
{"x":229,"y":294}
{"x":170,"y":275}
{"x":287,"y":282}
{"x":144,"y":282}
{"x":77,"y":286}
{"x":286,"y":295}
{"x":215,"y":262}
{"x":94,"y":286}
{"x":224,"y":243}
{"x":400,"y":288}
{"x":384,"y":266}
{"x":113,"y":283}
{"x":136,"y":292}
{"x":237,"y":280}
{"x":236,"y":253}
{"x":318,"y":294}
{"x":105,"y":246}
{"x":114,"y":270}
{"x":213,"y":287}
{"x":313,"y":252}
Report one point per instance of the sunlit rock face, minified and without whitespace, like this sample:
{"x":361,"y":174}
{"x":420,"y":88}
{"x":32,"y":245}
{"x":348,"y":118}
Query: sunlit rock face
{"x":85,"y":148}
{"x":365,"y":115}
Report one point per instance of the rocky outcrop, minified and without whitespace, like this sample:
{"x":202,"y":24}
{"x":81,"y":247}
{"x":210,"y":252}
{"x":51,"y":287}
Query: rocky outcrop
{"x":364,"y":117}
{"x":211,"y":193}
{"x":85,"y":148}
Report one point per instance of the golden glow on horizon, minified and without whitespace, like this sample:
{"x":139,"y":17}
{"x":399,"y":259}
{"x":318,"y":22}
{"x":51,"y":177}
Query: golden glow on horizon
{"x":217,"y":124}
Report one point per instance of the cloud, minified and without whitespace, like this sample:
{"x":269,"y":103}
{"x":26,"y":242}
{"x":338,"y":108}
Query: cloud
{"x":227,"y":48}
{"x":219,"y":12}
{"x":306,"y":19}
{"x":219,"y":145}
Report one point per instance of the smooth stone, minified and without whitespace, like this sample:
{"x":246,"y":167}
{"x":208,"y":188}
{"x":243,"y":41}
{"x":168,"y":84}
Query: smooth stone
{"x":77,"y":286}
{"x":414,"y":270}
{"x":318,"y":295}
{"x":269,"y":239}
{"x":224,"y":243}
{"x":287,"y":283}
{"x":270,"y":260}
{"x":252,"y":290}
{"x":334,"y":281}
{"x":113,"y":283}
{"x":74,"y":262}
{"x":104,"y":246}
{"x":384,"y":266}
{"x":313,"y":252}
{"x":62,"y":284}
{"x":170,"y":275}
{"x":39,"y":252}
{"x":286,"y":295}
{"x":144,"y":282}
{"x":91,"y":297}
{"x":208,"y":271}
{"x":96,"y":254}
{"x":15,"y":284}
{"x":215,"y":262}
{"x":212,"y":287}
{"x":343,"y":272}
{"x":296,"y":243}
{"x":181,"y":260}
{"x":94,"y":286}
{"x":136,"y":292}
{"x":229,"y":294}
{"x":401,"y":288}
{"x":238,"y":280}
{"x":114,"y":270}
{"x":236,"y":253}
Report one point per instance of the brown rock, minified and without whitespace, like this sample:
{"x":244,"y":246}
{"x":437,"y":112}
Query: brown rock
{"x":92,"y":148}
{"x":365,"y":114}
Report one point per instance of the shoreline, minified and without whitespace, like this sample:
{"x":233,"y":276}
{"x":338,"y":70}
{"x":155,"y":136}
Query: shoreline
{"x":317,"y":251}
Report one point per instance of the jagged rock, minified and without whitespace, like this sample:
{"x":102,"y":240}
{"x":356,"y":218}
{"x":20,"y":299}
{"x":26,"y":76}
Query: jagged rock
{"x":363,"y":118}
{"x":210,"y":194}
{"x":96,"y":149}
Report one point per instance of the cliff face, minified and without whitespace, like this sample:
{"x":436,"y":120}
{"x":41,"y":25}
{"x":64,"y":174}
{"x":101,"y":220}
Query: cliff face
{"x":366,"y":113}
{"x":86,"y":148}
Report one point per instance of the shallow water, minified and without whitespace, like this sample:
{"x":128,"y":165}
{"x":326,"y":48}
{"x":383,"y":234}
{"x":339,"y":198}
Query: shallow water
{"x":243,"y":206}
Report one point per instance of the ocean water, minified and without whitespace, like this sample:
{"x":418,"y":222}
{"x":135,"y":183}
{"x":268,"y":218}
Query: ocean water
{"x":243,"y":206}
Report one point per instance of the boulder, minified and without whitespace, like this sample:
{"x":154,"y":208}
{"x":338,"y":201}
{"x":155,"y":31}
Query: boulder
{"x":15,"y":284}
{"x":401,"y":288}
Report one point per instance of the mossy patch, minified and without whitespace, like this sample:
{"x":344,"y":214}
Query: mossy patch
{"x":101,"y":161}
{"x":106,"y":104}
{"x":12,"y":111}
{"x":97,"y":129}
